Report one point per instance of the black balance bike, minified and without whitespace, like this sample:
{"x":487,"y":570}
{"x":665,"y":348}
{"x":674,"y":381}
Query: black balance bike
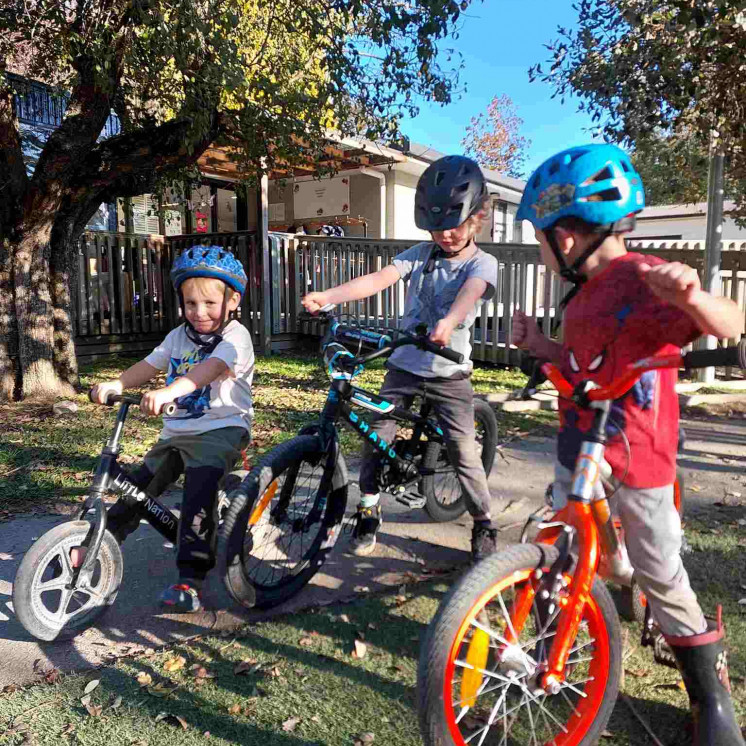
{"x":53,"y":599}
{"x":285,"y":518}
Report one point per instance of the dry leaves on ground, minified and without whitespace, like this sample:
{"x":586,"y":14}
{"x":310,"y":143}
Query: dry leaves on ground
{"x":290,"y":724}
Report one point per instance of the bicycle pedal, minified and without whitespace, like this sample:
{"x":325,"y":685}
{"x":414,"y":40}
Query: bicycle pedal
{"x":412,"y":500}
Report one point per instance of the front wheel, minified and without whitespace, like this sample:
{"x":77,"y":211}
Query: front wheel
{"x":42,"y":599}
{"x":282,"y":522}
{"x":478,"y":671}
{"x":445,"y":500}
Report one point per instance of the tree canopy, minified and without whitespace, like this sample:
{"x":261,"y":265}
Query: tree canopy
{"x":644,"y":66}
{"x":493,"y":139}
{"x":269,"y":79}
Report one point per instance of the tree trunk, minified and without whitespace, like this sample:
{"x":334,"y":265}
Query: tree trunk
{"x":9,"y":369}
{"x":33,"y":290}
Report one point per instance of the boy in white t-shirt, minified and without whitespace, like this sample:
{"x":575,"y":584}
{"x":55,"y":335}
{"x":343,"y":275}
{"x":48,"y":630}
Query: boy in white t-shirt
{"x":209,"y":361}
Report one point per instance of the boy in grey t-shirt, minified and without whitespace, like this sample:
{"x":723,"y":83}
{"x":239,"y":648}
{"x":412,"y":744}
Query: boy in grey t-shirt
{"x":449,"y":278}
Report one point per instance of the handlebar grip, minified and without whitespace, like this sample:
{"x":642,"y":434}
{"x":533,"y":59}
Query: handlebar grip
{"x":724,"y":356}
{"x":169,"y":409}
{"x":446,"y":352}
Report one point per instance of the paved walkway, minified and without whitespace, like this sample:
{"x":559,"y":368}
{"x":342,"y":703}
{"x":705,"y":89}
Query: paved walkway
{"x":409,"y":542}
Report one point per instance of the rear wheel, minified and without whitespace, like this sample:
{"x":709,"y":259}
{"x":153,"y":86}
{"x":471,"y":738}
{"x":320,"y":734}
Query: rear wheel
{"x":282,"y":522}
{"x":445,"y":500}
{"x":477,"y":686}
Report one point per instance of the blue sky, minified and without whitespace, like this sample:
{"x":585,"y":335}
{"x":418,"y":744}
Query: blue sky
{"x":499,"y":41}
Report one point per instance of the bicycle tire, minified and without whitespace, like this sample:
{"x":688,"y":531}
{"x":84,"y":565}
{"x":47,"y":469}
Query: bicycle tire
{"x":238,"y":542}
{"x":449,"y":645}
{"x":49,"y":555}
{"x":445,"y":501}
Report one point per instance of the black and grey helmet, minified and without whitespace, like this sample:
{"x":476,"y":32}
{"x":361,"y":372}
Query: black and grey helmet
{"x":451,"y":190}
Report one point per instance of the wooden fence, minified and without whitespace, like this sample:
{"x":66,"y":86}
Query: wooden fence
{"x":126,"y":302}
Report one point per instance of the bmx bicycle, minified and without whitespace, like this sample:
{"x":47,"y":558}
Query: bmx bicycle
{"x":526,"y":647}
{"x":53,"y":599}
{"x":286,"y":516}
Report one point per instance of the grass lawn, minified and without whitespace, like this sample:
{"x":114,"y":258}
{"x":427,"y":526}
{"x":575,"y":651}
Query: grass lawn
{"x":294,"y":680}
{"x":45,"y":462}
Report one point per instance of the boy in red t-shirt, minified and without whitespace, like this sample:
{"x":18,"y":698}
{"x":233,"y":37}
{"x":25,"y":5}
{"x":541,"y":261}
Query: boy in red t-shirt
{"x":624,"y":307}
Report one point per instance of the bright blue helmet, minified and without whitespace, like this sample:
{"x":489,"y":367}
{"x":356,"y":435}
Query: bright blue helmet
{"x":209,"y":261}
{"x":596,"y":183}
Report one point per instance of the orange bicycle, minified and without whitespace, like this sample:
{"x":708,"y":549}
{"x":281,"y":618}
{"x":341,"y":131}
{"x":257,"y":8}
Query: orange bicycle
{"x":526,"y":648}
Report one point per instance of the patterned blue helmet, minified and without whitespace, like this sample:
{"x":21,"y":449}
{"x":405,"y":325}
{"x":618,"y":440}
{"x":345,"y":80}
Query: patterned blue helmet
{"x":209,"y":261}
{"x":596,"y":183}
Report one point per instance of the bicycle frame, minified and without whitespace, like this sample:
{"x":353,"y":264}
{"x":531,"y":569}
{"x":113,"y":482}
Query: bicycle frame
{"x":110,"y":477}
{"x":585,"y":516}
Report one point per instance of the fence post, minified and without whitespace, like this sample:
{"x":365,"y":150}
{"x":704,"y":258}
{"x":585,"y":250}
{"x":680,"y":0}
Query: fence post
{"x":262,"y":234}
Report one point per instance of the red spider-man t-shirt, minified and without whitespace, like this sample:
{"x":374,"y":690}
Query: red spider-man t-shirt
{"x":615,"y":320}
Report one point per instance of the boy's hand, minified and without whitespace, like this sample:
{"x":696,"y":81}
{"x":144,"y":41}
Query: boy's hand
{"x":441,"y":335}
{"x":153,"y":401}
{"x":674,"y":282}
{"x":526,"y":331}
{"x":314,"y":302}
{"x":101,"y":391}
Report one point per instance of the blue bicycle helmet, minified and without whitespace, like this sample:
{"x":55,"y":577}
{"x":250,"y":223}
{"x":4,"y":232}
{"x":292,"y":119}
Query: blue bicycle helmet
{"x":209,"y":261}
{"x":596,"y":183}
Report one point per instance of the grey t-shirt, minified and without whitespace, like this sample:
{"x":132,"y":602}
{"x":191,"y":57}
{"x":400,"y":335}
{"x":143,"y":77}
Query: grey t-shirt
{"x":430,"y":296}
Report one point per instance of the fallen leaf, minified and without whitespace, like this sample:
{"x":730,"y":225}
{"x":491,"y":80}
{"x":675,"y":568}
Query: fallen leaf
{"x":361,"y":589}
{"x":290,"y":724}
{"x":234,"y":709}
{"x":366,"y":738}
{"x":742,"y":601}
{"x":144,"y":679}
{"x":117,"y":703}
{"x":247,"y":666}
{"x":91,"y":685}
{"x":174,"y":664}
{"x":85,"y":701}
{"x":639,"y":672}
{"x":5,"y":556}
{"x":342,"y":617}
{"x":68,"y":729}
{"x":94,"y":710}
{"x":171,"y":719}
{"x":695,"y":488}
{"x":315,"y":719}
{"x":162,"y":689}
{"x":372,"y":626}
{"x":360,"y":649}
{"x":305,"y":641}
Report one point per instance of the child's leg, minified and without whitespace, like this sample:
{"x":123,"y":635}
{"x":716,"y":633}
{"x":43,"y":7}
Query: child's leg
{"x":398,"y":388}
{"x":453,"y":401}
{"x":652,"y":532}
{"x":207,"y":458}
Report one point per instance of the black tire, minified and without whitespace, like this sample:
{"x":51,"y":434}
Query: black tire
{"x":299,"y":468}
{"x":446,"y":660}
{"x":55,"y":613}
{"x":445,"y":502}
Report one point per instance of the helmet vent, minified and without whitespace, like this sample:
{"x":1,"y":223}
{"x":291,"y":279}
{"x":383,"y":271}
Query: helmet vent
{"x":626,"y":166}
{"x":537,"y":180}
{"x":607,"y":195}
{"x":554,"y":167}
{"x":439,"y":177}
{"x":455,"y":209}
{"x":460,"y":189}
{"x":603,"y":175}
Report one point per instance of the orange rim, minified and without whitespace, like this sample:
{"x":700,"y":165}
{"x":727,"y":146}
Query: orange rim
{"x":593,"y":682}
{"x":256,"y":514}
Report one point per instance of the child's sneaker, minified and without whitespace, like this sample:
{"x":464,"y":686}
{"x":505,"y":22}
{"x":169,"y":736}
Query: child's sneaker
{"x":181,"y":597}
{"x":367,"y":523}
{"x":483,"y":541}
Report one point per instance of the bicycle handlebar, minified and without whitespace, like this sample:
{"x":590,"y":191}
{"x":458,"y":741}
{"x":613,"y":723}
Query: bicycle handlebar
{"x":384,"y":342}
{"x":167,"y":409}
{"x":725,"y":356}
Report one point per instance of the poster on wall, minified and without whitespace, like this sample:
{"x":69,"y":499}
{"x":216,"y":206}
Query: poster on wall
{"x":318,"y":198}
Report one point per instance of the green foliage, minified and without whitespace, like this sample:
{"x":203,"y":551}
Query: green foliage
{"x":643,"y":66}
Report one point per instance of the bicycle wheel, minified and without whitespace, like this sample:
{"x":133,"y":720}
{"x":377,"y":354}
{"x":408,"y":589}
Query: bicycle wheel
{"x":474,"y":686}
{"x":282,"y":522}
{"x":445,"y":502}
{"x":41,"y":600}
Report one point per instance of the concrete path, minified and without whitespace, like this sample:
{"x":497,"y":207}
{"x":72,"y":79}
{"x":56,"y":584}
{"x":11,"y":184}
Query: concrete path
{"x":408,"y":542}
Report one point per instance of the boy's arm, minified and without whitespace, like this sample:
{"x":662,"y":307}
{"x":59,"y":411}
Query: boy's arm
{"x":360,"y":287}
{"x":133,"y":377}
{"x":527,"y":336}
{"x":198,"y":377}
{"x":471,"y":291}
{"x":679,"y":284}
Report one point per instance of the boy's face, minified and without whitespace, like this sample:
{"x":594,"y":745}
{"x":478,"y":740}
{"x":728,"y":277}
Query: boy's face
{"x":452,"y":241}
{"x":203,"y":304}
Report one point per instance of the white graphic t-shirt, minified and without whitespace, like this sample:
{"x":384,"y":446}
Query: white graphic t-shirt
{"x":226,"y":402}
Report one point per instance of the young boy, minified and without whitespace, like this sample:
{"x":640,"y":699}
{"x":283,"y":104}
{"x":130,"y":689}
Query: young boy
{"x":624,"y":307}
{"x":449,"y":277}
{"x":210,"y":364}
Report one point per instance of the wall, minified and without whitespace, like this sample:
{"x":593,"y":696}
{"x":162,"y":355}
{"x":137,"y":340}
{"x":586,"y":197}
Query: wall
{"x":400,"y":191}
{"x":683,"y":228}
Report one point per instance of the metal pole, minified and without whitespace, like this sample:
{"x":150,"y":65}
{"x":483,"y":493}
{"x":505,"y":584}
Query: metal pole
{"x":262,"y":236}
{"x":713,"y":246}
